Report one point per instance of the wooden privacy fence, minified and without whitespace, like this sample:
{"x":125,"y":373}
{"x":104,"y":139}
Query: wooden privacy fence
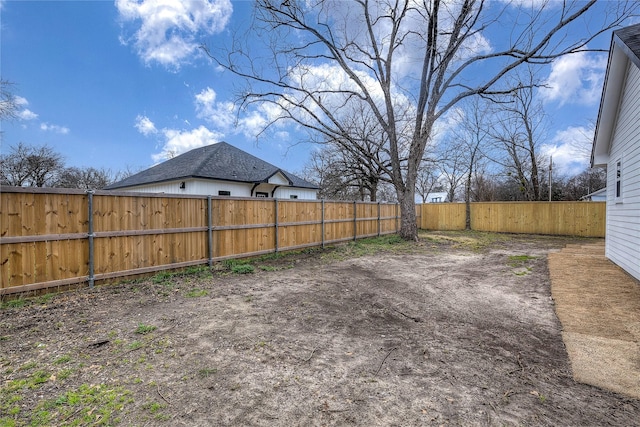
{"x":585,"y":219}
{"x":52,"y":238}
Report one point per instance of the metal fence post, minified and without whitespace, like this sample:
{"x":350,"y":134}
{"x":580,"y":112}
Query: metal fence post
{"x":91,"y":235}
{"x":322,"y":220}
{"x":355,"y":220}
{"x":379,"y":225}
{"x":276,"y":224}
{"x":210,"y":230}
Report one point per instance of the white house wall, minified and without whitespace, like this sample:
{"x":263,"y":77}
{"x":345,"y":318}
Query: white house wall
{"x":301,"y":193}
{"x":208,"y":187}
{"x":623,"y":216}
{"x":196,"y":187}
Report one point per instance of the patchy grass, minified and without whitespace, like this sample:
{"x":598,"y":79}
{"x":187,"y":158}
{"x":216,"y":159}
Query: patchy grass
{"x":236,"y":266}
{"x":391,"y":243}
{"x":24,"y":302}
{"x":84,"y":405}
{"x":463,"y":239}
{"x":243,"y":269}
{"x":519,"y":264}
{"x":196,"y":293}
{"x":240,"y":266}
{"x":206,"y":372}
{"x":87,"y":405}
{"x":519,"y":260}
{"x":167,"y":278}
{"x":143,"y":329}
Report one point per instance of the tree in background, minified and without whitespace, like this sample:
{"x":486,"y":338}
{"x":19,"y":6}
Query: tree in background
{"x":345,"y":175}
{"x":363,"y":166}
{"x":472,"y":138}
{"x":84,"y":178}
{"x":30,"y":166}
{"x":586,"y":182}
{"x":519,"y":128}
{"x":428,"y":180}
{"x":408,"y":63}
{"x":42,"y":166}
{"x":8,"y":104}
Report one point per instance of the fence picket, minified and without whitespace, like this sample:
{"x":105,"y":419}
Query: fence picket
{"x":103,"y":235}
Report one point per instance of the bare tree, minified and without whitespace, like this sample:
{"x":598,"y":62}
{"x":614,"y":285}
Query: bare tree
{"x":30,"y":166}
{"x":345,"y":175}
{"x":452,"y":167}
{"x":586,"y":182}
{"x":519,"y":129}
{"x":472,"y":138}
{"x":428,"y":179}
{"x":8,"y":104}
{"x":84,"y":178}
{"x":483,"y":186}
{"x":322,"y":170}
{"x":407,"y":62}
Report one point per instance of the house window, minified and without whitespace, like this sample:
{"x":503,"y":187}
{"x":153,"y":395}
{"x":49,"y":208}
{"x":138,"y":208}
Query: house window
{"x":619,"y":180}
{"x":436,"y":199}
{"x":293,"y":196}
{"x":261,"y":194}
{"x":224,"y":193}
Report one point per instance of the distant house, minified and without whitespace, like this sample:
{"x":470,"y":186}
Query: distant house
{"x":617,"y":147}
{"x":596,"y":196}
{"x":437,"y":197}
{"x":219,"y":170}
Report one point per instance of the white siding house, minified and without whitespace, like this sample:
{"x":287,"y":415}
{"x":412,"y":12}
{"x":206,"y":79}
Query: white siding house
{"x":437,"y":197}
{"x":219,"y":170}
{"x":617,"y":147}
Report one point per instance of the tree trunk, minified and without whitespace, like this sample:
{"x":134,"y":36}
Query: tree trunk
{"x":373,"y":190}
{"x":467,"y":202}
{"x":408,"y":219}
{"x":535,"y":182}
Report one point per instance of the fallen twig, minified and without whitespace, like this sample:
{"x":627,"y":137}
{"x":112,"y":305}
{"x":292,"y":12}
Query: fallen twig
{"x":520,"y":363}
{"x":311,"y":355}
{"x":415,"y":319}
{"x":160,"y":394}
{"x":383,"y":360}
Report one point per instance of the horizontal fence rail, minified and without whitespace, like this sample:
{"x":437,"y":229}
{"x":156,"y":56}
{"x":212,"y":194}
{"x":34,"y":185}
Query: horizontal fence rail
{"x":586,"y":219}
{"x":54,"y":237}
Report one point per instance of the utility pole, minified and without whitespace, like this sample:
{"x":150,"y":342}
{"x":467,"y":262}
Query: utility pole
{"x":550,"y":175}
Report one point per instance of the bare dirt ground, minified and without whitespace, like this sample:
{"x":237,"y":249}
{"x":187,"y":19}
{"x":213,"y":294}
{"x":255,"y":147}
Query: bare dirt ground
{"x":458,"y":329}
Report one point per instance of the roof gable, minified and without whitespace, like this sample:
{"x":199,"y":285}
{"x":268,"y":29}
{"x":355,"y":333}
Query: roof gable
{"x":219,"y":161}
{"x":279,"y":178}
{"x":625,"y":49}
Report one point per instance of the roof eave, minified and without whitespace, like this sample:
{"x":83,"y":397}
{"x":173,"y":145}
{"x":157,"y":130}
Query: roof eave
{"x":609,"y":102}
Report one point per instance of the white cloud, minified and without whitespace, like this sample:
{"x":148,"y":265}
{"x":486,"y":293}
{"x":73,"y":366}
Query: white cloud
{"x":571,"y":149}
{"x":575,"y":79}
{"x":54,"y":128}
{"x":181,"y":141}
{"x":145,"y":126}
{"x":169,"y":29}
{"x":27,"y":114}
{"x":253,"y":123}
{"x":221,"y":114}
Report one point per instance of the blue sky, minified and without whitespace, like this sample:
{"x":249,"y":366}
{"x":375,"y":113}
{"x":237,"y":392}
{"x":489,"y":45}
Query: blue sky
{"x":119,"y":85}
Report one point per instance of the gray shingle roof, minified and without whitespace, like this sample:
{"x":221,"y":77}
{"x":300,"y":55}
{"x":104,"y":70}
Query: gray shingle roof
{"x":630,"y":38}
{"x":219,"y":161}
